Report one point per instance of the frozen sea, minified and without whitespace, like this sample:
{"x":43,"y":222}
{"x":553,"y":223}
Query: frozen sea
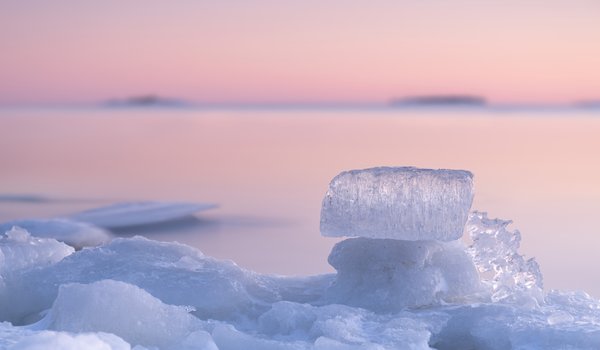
{"x":268,"y":169}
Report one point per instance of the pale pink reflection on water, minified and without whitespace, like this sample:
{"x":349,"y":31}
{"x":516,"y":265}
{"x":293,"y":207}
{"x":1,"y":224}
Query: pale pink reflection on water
{"x":268,"y":171}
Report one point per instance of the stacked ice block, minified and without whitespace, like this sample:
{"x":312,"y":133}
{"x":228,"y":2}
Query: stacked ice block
{"x":408,"y":222}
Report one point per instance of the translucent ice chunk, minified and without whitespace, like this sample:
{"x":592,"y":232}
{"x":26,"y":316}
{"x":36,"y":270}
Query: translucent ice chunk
{"x":495,"y":252}
{"x":401,"y":203}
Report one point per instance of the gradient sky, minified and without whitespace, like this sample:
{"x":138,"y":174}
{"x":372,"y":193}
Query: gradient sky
{"x":303,"y":51}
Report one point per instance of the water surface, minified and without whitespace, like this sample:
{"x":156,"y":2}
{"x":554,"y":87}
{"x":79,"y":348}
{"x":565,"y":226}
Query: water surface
{"x":268,"y":171}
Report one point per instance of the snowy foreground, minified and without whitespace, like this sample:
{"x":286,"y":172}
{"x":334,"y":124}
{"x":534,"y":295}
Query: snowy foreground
{"x":404,"y":281}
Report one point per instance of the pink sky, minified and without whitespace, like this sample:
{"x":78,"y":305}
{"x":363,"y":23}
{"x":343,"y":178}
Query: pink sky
{"x":304,"y":51}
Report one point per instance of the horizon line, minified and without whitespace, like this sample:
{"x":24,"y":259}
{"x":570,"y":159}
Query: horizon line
{"x":154,"y":100}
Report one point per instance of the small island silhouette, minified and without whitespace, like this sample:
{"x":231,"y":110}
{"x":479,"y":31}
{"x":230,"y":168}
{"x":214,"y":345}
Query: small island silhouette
{"x":149,"y":100}
{"x":440,"y":101}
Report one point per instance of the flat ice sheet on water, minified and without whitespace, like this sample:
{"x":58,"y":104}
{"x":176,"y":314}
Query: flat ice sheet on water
{"x":402,"y":203}
{"x":139,"y":213}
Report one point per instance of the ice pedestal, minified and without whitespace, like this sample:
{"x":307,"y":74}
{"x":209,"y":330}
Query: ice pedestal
{"x":386,"y":275}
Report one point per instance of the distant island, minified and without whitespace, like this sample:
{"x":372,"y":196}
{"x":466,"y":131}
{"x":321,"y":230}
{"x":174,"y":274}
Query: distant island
{"x":440,"y":101}
{"x":146,"y":101}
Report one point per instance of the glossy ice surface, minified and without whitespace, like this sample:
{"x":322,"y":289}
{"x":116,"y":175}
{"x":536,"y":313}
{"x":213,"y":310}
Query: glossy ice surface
{"x":403,"y":203}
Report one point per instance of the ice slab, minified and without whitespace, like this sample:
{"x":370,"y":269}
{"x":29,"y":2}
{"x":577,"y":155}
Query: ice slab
{"x":389,"y":275}
{"x":73,"y":233}
{"x":402,"y":203}
{"x":122,"y":309}
{"x":139,"y":213}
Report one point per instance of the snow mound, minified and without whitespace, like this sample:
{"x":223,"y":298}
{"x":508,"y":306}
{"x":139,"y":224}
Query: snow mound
{"x":335,"y":326}
{"x":75,"y":234}
{"x":20,"y":251}
{"x":29,"y":338}
{"x":388,"y":275}
{"x":139,"y":213}
{"x":400,"y":203}
{"x":48,"y":340}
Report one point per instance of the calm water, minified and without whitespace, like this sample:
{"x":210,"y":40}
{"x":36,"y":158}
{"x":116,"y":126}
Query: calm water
{"x":268,"y":171}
